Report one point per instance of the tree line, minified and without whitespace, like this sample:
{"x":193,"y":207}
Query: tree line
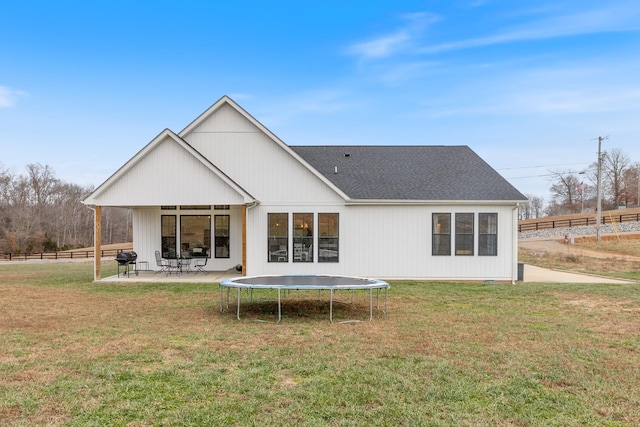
{"x":41,"y":213}
{"x":574,"y":191}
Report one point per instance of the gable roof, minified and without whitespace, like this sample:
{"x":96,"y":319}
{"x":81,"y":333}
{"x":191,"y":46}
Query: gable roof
{"x":405,"y":173}
{"x":146,"y":179}
{"x":227,"y":101}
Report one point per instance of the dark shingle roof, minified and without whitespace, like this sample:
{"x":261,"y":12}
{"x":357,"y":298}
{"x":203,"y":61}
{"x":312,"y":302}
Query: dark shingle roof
{"x":409,"y":172}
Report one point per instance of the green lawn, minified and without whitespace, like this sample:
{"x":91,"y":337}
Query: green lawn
{"x":447,"y":354}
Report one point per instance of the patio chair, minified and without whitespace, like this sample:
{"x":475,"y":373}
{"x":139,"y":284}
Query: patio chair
{"x":162,"y":263}
{"x":199,"y":265}
{"x":174,"y":265}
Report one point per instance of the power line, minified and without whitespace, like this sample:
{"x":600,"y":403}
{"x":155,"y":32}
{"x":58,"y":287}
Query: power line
{"x":531,"y":176}
{"x":542,"y":166}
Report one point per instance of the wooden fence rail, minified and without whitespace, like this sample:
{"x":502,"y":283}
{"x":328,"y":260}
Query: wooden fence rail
{"x":59,"y":255}
{"x":574,"y":222}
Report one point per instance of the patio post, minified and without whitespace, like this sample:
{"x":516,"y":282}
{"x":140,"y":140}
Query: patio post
{"x":97,"y":238}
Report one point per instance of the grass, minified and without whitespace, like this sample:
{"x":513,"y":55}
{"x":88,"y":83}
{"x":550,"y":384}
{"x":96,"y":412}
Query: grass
{"x":606,"y":258}
{"x":448,"y":354}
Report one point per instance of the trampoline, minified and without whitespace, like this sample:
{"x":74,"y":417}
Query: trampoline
{"x":305,"y":282}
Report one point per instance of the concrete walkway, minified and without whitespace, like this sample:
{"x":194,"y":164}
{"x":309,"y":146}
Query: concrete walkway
{"x":539,"y":274}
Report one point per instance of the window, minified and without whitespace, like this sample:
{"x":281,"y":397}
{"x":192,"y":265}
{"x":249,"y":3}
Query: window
{"x":328,"y":235}
{"x":195,"y":235}
{"x":278,"y":237}
{"x":221,"y":207}
{"x":195,"y":207}
{"x":488,"y":234}
{"x":302,"y":237}
{"x":464,"y":234}
{"x":221,"y":230}
{"x":441,"y":234}
{"x":168,"y":236}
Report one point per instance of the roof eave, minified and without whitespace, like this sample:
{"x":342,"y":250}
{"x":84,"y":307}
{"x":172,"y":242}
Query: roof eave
{"x":371,"y":202}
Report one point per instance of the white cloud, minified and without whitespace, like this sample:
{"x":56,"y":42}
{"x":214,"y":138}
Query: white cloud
{"x":395,"y":42}
{"x":614,"y":17}
{"x":9,"y":97}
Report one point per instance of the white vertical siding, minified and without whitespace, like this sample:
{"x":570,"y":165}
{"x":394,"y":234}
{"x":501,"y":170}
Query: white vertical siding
{"x":169,"y":175}
{"x":147,"y":234}
{"x":390,"y":242}
{"x":255,"y":161}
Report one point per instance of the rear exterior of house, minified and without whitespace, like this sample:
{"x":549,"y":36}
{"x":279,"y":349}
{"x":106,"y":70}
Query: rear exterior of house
{"x":228,"y":190}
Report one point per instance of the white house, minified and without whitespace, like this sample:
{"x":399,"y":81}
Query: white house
{"x":227,"y":190}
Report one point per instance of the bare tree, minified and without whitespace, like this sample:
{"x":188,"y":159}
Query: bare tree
{"x":631,"y":184}
{"x":565,"y":191}
{"x":533,"y":209}
{"x":39,"y":212}
{"x":614,"y":165}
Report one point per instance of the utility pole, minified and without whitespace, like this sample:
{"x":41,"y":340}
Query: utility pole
{"x":599,"y":203}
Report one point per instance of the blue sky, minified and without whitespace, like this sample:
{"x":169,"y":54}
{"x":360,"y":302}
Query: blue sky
{"x":527,"y":85}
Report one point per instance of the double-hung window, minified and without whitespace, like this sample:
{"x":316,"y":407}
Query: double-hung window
{"x":168,"y":236}
{"x":221,"y":230}
{"x":278,"y":237}
{"x":302,"y":237}
{"x":441,"y":234}
{"x":328,"y":237}
{"x":464,"y":234}
{"x":488,"y":234}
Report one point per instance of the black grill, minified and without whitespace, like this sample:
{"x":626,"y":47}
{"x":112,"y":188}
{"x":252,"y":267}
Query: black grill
{"x":127,"y":257}
{"x":125,"y":260}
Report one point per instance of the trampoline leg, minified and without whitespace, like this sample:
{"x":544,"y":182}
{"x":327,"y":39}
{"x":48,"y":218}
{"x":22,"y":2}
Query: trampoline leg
{"x":370,"y":305}
{"x":238,"y":310}
{"x":279,"y":307}
{"x":221,"y":296}
{"x":386,"y":300}
{"x":330,"y":305}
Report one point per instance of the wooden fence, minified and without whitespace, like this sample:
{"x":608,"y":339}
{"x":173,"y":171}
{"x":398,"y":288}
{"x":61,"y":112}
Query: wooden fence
{"x":60,"y":255}
{"x":545,"y":224}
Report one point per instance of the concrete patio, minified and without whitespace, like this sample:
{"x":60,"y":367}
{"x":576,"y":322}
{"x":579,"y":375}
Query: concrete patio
{"x":150,"y":276}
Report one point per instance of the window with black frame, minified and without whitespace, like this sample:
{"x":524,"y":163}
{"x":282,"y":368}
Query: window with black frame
{"x":464,"y":234}
{"x":168,"y":236}
{"x":302,"y":237}
{"x":488,"y":234}
{"x":441,"y":234}
{"x":328,"y":237}
{"x":221,"y":230}
{"x":195,"y":235}
{"x":278,"y":238}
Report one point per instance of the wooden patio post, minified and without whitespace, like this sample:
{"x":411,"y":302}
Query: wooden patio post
{"x":97,"y":239}
{"x":244,"y":239}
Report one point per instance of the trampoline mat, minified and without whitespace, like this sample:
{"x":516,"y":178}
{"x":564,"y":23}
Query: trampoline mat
{"x":306,"y":280}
